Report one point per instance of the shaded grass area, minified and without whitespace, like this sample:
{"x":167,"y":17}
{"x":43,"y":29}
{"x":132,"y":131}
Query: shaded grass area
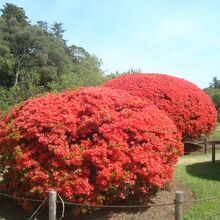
{"x":203,"y":178}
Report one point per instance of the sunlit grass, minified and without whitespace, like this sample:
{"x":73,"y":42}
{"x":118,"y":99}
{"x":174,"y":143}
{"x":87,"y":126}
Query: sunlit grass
{"x":203,"y":178}
{"x":216,"y":133}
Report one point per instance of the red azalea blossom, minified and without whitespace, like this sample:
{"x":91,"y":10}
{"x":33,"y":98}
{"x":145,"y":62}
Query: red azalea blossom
{"x":190,"y":108}
{"x":94,"y":146}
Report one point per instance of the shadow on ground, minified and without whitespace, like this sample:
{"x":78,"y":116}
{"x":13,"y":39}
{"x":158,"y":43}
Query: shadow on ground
{"x":205,"y":170}
{"x":10,"y":210}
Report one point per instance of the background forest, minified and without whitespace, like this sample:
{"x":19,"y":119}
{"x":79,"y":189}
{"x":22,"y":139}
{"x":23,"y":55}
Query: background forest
{"x":34,"y":59}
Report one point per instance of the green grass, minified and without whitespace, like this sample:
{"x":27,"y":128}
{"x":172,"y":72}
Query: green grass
{"x":203,"y":178}
{"x":216,"y":133}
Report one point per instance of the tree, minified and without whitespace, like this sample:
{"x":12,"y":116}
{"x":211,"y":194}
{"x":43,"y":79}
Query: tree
{"x":25,"y":44}
{"x":214,"y":91}
{"x":43,"y":24}
{"x":85,"y":73}
{"x":117,"y":73}
{"x":11,"y":11}
{"x":77,"y":53}
{"x":7,"y":60}
{"x":58,"y":30}
{"x":215,"y":83}
{"x":214,"y":94}
{"x":88,"y":71}
{"x":32,"y":48}
{"x":34,"y":59}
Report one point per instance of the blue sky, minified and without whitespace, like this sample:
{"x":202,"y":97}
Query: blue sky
{"x":180,"y":38}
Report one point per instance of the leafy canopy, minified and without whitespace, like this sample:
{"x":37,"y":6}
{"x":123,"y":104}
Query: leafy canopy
{"x":34,"y":58}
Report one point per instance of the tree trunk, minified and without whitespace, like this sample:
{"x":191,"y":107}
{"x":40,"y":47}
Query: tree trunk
{"x":17,"y":72}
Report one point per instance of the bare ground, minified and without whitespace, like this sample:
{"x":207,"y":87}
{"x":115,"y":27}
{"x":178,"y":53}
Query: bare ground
{"x":9,"y":210}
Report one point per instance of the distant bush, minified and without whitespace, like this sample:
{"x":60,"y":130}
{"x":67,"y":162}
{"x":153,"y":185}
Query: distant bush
{"x":94,"y":146}
{"x":190,"y":108}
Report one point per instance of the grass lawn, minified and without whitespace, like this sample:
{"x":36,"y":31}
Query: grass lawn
{"x":216,"y":134}
{"x":203,"y":178}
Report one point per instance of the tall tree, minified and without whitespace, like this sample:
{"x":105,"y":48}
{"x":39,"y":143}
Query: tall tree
{"x":35,"y":59}
{"x":43,"y":24}
{"x":11,"y":11}
{"x":58,"y":30}
{"x":214,"y":91}
{"x":7,"y":60}
{"x":77,"y":53}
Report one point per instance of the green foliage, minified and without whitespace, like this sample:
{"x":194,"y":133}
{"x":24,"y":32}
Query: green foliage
{"x":42,"y":24}
{"x":10,"y":97}
{"x":215,"y":83}
{"x":116,"y":74}
{"x":11,"y":11}
{"x":58,"y":30}
{"x":35,"y":59}
{"x":214,"y":93}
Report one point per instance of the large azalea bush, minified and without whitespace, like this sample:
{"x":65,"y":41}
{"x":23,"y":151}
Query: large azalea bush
{"x":188,"y":106}
{"x":94,"y":146}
